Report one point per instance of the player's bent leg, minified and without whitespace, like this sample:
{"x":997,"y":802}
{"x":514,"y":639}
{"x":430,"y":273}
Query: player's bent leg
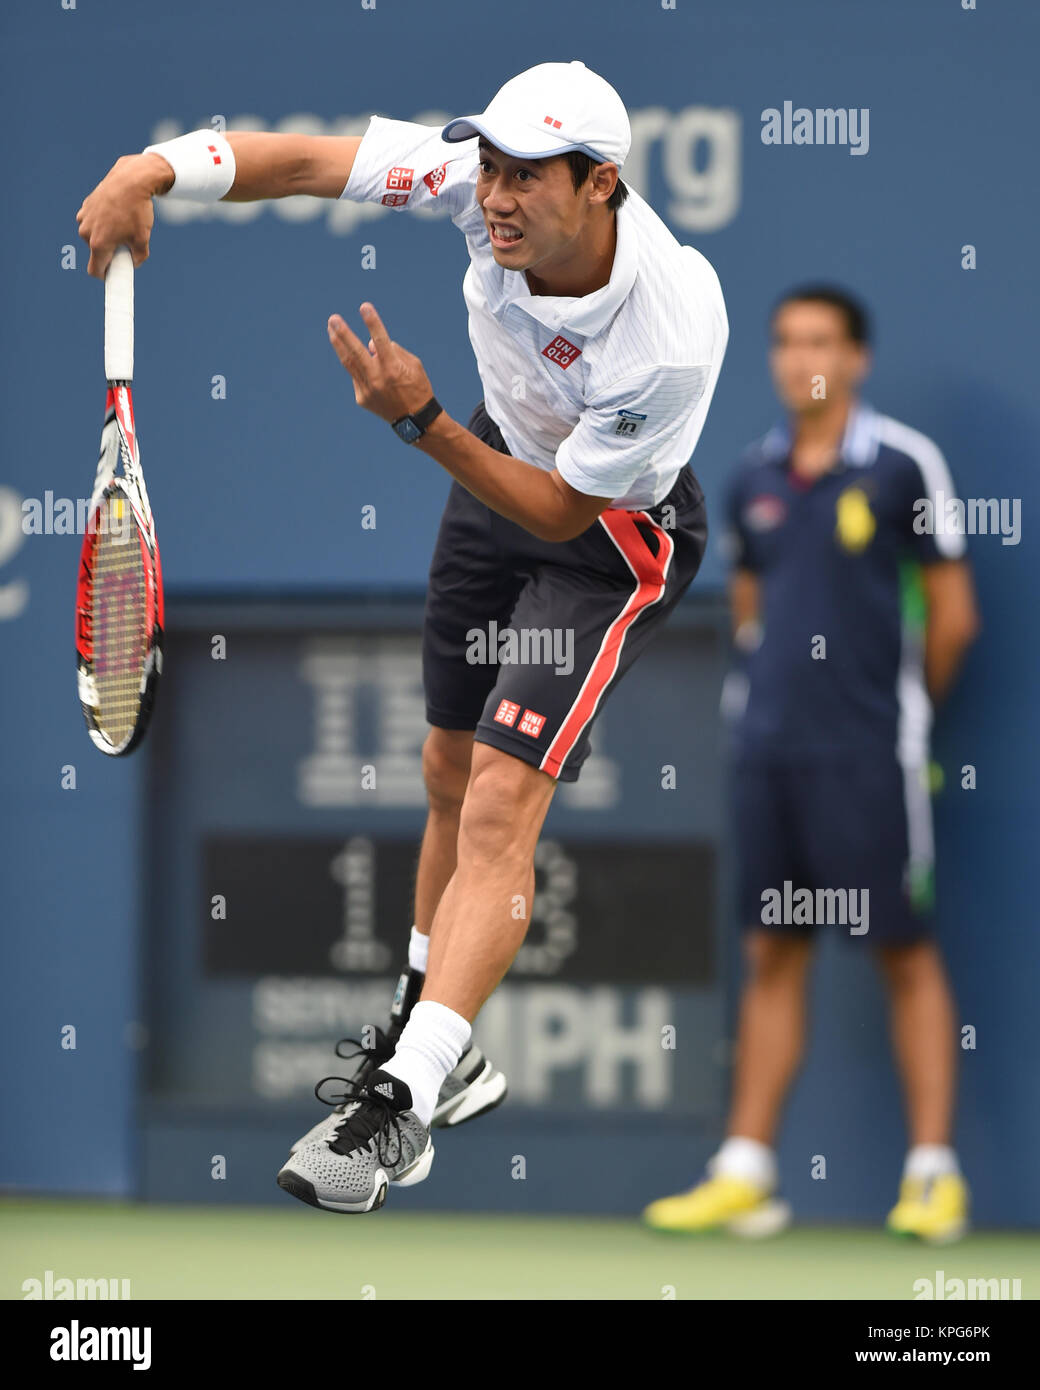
{"x":934,"y":1199}
{"x":475,"y":1086}
{"x":446,"y":759}
{"x":485,"y":911}
{"x":383,"y":1132}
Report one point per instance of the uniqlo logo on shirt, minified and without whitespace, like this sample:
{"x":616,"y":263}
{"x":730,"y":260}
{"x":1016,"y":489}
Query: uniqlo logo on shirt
{"x":561,"y":351}
{"x":435,"y":178}
{"x":531,"y":723}
{"x":506,"y":713}
{"x":399,"y":187}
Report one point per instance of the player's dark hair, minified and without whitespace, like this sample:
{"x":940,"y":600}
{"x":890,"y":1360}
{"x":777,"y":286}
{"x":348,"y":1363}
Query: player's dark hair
{"x":857,"y":320}
{"x":582,"y":166}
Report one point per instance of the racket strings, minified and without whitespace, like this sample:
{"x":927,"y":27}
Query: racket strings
{"x":119,"y":613}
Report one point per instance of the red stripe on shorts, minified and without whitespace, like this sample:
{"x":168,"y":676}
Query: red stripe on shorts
{"x":651,"y":574}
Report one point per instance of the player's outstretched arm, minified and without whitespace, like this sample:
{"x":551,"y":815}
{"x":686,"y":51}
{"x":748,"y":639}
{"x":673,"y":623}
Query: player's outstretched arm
{"x":119,"y":210}
{"x":277,"y":166}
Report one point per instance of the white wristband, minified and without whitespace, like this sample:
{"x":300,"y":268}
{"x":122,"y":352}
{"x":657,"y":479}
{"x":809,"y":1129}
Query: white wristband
{"x":203,"y":165}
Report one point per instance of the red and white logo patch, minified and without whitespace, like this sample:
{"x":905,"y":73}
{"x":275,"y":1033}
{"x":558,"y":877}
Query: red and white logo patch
{"x":399,"y":186}
{"x":551,"y":120}
{"x":561,"y":351}
{"x":435,"y":178}
{"x":764,"y":512}
{"x":213,"y":151}
{"x":506,"y":713}
{"x":531,"y":723}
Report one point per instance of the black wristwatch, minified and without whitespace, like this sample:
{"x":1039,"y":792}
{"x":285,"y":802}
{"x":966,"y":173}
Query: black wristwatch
{"x":413,"y":427}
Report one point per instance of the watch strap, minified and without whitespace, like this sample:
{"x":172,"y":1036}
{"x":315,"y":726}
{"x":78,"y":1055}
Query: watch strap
{"x":423,"y":418}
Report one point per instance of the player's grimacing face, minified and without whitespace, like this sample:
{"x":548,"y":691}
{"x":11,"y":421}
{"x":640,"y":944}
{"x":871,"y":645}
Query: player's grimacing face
{"x":535,"y":197}
{"x":812,"y":357}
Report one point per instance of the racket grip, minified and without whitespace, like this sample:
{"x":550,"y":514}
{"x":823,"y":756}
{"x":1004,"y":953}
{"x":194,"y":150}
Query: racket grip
{"x":119,"y":316}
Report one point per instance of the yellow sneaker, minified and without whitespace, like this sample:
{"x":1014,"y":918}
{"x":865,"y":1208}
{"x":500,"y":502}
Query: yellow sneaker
{"x":932,"y":1209}
{"x":720,"y":1203}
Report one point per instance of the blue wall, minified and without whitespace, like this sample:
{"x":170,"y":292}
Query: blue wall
{"x":264,"y":489}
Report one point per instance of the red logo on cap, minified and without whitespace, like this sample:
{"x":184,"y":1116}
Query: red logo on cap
{"x":561,"y":351}
{"x":550,"y":121}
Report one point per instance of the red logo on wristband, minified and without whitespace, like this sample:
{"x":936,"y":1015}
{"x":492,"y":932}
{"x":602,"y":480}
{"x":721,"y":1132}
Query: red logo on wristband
{"x":213,"y":151}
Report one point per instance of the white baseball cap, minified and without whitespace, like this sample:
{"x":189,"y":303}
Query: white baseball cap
{"x":550,"y":109}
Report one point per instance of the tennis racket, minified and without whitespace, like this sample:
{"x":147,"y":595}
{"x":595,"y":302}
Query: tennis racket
{"x":119,"y":595}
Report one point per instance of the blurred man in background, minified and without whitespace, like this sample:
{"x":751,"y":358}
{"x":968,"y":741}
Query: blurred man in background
{"x":849,"y":621}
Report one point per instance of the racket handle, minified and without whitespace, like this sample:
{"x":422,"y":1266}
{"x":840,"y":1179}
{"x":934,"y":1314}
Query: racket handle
{"x":119,"y":316}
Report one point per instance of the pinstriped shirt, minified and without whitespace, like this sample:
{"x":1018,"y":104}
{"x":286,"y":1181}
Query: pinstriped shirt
{"x":611,"y":388}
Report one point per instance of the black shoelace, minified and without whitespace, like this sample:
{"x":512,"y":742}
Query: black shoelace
{"x":373,"y":1117}
{"x":374,"y":1054}
{"x":380,"y":1048}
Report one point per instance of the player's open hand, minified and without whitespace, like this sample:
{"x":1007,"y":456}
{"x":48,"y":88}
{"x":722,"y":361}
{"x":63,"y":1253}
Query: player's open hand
{"x":388,"y":380}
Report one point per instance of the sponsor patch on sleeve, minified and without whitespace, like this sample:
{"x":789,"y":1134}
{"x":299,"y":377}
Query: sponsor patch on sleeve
{"x":628,"y":423}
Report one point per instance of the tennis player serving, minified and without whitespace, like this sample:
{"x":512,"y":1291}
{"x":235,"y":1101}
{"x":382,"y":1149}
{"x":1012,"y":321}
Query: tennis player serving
{"x":599,"y":340}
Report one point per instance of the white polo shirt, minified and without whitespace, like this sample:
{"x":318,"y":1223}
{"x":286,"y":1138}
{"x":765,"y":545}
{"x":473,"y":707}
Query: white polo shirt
{"x":610,"y":388}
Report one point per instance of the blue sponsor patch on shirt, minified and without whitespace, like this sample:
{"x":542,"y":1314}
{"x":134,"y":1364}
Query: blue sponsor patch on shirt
{"x":629,"y":422}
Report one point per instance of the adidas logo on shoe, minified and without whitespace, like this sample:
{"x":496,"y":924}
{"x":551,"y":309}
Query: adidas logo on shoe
{"x":385,"y":1089}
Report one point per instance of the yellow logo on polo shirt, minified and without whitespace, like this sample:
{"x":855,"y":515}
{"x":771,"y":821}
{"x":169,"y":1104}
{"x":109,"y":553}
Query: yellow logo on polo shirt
{"x":856,"y":524}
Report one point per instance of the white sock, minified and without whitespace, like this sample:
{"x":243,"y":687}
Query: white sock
{"x":430,"y":1046}
{"x":745,"y":1158}
{"x":930,"y":1161}
{"x":418,"y":951}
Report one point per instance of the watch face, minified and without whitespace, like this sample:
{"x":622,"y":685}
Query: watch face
{"x":408,"y":430}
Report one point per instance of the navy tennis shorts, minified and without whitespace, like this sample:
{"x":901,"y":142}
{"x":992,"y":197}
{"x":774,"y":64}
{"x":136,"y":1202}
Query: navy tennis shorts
{"x":860,"y":825}
{"x":524,"y":639}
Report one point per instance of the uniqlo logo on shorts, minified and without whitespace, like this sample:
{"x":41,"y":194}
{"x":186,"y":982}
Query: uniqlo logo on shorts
{"x":531,"y":723}
{"x":506,"y":713}
{"x":435,"y":178}
{"x":561,"y":351}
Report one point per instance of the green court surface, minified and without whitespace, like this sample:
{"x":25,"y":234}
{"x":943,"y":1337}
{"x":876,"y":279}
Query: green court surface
{"x":171,"y":1252}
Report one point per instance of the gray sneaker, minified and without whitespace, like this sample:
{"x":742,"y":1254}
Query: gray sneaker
{"x":373,"y":1053}
{"x":378,"y":1140}
{"x":473,"y":1088}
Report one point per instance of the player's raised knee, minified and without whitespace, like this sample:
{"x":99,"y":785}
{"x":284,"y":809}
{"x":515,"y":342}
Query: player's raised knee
{"x":505,"y":798}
